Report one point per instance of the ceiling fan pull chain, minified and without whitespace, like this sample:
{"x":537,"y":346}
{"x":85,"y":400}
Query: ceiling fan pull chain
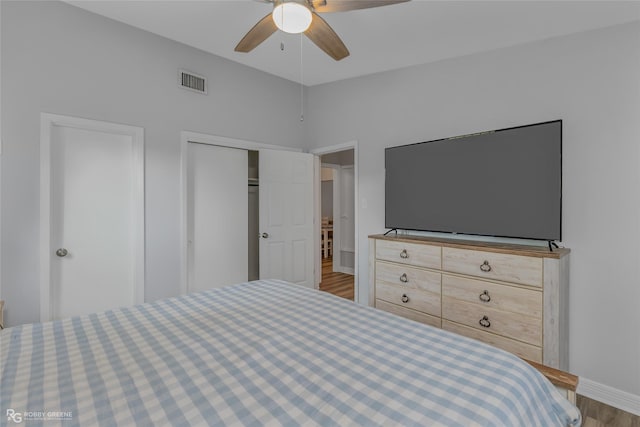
{"x":301,"y":84}
{"x":282,"y":46}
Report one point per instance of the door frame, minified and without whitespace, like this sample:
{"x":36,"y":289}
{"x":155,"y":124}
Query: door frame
{"x":350,"y":145}
{"x":47,"y":122}
{"x":187,"y":137}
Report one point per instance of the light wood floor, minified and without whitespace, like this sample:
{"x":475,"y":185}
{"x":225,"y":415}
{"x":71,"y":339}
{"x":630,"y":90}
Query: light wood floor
{"x":339,"y":284}
{"x":594,"y":413}
{"x":597,"y":414}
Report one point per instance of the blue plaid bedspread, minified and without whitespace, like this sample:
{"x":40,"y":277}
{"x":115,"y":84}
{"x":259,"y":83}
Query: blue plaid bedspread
{"x":264,"y":353}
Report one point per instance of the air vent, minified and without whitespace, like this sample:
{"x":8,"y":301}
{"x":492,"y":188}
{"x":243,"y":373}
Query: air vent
{"x":194,"y":82}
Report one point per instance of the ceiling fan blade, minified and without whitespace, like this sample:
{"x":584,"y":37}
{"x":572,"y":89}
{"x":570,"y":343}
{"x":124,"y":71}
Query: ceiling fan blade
{"x":326,"y":39}
{"x":259,"y":33}
{"x":325,"y":6}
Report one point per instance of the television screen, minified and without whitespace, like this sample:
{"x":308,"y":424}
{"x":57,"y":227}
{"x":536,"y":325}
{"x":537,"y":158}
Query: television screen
{"x":505,"y":183}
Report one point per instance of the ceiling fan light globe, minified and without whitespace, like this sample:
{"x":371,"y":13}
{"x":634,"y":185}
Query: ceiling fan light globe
{"x":292,"y":17}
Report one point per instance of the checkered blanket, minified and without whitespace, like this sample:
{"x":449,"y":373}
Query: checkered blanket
{"x":264,"y":353}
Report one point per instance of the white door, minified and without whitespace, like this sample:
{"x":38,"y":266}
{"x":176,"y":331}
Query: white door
{"x":286,"y":217}
{"x":218,"y":216}
{"x":95,"y":249}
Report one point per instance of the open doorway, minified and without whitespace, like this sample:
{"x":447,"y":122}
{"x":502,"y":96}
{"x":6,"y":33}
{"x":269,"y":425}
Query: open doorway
{"x":338,"y":231}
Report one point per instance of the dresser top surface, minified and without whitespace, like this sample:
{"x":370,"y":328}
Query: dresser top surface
{"x":506,"y":248}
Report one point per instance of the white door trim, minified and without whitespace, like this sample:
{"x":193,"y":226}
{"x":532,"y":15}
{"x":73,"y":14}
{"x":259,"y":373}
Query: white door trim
{"x":47,"y":122}
{"x":334,"y":149}
{"x":317,"y":205}
{"x":202,"y":138}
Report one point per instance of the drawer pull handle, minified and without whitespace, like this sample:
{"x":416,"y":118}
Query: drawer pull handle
{"x":484,"y":322}
{"x":485,"y":297}
{"x":485,"y":267}
{"x":404,"y":278}
{"x":405,"y":298}
{"x":404,"y":254}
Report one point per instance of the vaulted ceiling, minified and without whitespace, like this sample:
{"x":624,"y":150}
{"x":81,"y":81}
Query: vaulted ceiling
{"x":379,"y":39}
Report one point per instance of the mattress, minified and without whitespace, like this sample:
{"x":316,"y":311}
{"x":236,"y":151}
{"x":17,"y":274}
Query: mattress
{"x":265,"y":353}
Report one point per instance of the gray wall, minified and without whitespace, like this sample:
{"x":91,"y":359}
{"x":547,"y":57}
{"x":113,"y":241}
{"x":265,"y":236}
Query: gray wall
{"x":326,"y":199}
{"x":591,"y":81}
{"x":60,"y":59}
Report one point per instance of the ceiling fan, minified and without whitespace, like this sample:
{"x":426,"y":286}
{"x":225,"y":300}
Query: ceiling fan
{"x":301,"y":16}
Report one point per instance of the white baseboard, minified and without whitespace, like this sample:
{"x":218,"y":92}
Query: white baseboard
{"x":611,"y":396}
{"x":346,"y":270}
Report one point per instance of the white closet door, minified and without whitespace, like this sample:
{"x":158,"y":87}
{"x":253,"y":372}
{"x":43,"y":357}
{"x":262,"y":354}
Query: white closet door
{"x":217,"y":210}
{"x":94,"y":218}
{"x":286,"y":217}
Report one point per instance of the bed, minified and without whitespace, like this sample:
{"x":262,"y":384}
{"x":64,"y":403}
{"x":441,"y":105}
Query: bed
{"x":265,"y":353}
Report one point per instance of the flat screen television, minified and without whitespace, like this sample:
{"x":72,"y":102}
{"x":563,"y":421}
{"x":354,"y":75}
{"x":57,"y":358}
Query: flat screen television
{"x":503,"y":183}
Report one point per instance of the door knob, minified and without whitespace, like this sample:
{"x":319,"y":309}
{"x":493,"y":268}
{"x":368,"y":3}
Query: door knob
{"x":62,"y":252}
{"x":265,"y":235}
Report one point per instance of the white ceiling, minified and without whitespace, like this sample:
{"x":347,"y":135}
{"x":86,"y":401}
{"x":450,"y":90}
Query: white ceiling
{"x":379,"y":39}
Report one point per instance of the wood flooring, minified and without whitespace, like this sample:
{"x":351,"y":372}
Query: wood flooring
{"x":594,"y":413}
{"x":597,"y":414}
{"x":339,"y":284}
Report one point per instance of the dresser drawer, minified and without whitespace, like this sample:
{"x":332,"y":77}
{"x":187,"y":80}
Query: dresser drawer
{"x":491,"y":265}
{"x":505,"y":323}
{"x":427,"y":302}
{"x":486,"y":294}
{"x":410,"y":277}
{"x":417,"y":316}
{"x":526,"y":351}
{"x":409,"y":253}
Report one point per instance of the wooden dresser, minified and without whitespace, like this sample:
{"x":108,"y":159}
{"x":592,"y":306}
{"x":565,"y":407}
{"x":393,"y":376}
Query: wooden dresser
{"x":511,"y":296}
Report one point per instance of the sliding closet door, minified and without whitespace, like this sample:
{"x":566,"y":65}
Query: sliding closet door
{"x":217,"y":216}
